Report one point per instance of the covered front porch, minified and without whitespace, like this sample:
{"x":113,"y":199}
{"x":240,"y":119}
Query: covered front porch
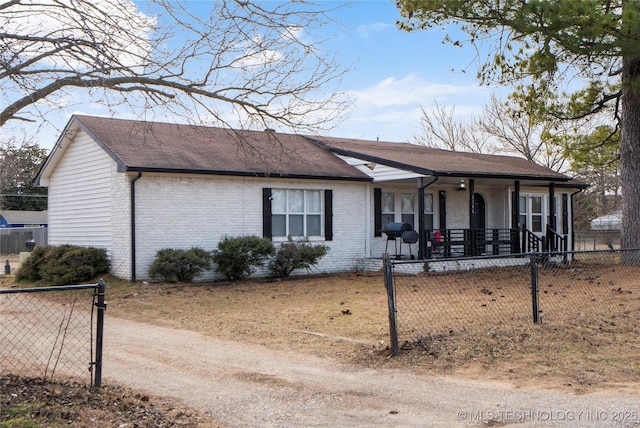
{"x":460,"y":204}
{"x":479,"y":242}
{"x":468,"y":217}
{"x":537,"y":216}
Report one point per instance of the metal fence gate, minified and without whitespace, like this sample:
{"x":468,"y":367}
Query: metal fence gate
{"x":53,"y":331}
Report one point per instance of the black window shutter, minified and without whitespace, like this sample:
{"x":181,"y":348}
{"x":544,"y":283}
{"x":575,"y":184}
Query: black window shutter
{"x":565,"y":213}
{"x":377,"y":211}
{"x":328,"y":215}
{"x":266,"y":213}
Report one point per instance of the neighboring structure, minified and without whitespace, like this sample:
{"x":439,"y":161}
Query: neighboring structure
{"x":607,"y":222}
{"x":10,"y":218}
{"x":137,"y":187}
{"x":20,"y":231}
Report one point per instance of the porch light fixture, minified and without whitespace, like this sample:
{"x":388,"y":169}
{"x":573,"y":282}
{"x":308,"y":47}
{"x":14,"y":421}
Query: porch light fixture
{"x":462,"y":185}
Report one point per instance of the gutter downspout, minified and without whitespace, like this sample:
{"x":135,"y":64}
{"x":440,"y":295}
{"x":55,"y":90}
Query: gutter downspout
{"x":133,"y":224}
{"x":422,"y":249}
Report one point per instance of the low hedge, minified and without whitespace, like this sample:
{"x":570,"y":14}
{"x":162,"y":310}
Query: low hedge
{"x":63,"y":265}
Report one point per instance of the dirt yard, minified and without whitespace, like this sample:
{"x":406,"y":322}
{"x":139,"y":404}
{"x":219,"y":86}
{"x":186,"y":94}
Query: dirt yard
{"x":345,"y":318}
{"x":315,"y":352}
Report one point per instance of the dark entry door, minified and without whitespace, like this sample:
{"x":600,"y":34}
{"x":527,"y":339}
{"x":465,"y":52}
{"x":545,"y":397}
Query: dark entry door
{"x":479,"y":210}
{"x":479,"y":223}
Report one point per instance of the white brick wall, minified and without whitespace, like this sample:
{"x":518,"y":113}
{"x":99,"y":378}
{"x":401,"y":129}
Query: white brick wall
{"x":121,"y":223}
{"x":175,"y":211}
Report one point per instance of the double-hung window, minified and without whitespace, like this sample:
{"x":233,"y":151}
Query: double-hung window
{"x":296,"y":212}
{"x":427,"y":215}
{"x":536,"y":214}
{"x":531,"y":213}
{"x":407,"y":207}
{"x":388,"y":207}
{"x":394,"y":206}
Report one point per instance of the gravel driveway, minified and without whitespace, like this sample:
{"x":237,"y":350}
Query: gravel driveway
{"x":251,"y":386}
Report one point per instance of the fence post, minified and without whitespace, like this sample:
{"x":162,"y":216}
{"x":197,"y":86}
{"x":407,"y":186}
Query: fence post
{"x":388,"y":283}
{"x":102,"y":306}
{"x":534,"y":287}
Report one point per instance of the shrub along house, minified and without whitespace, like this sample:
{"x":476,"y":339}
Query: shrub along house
{"x":134,"y":188}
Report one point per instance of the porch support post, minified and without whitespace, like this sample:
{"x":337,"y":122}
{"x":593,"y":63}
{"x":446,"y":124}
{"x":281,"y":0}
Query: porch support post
{"x":552,"y":206}
{"x":473,"y":222}
{"x":422,"y":242}
{"x":515,"y":206}
{"x":472,"y":204}
{"x":515,"y":218}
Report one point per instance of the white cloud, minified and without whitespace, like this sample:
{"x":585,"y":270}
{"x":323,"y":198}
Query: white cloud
{"x":365,"y":31}
{"x":412,"y":89}
{"x":390,"y":108}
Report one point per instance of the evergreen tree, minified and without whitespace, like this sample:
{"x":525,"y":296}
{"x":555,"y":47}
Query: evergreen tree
{"x":567,"y":59}
{"x":18,"y":169}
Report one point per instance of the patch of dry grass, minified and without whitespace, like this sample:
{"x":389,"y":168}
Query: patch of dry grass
{"x":476,"y":324}
{"x":480,"y":323}
{"x":345,"y":317}
{"x":338,"y":315}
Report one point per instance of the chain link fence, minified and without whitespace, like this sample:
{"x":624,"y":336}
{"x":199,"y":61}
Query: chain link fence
{"x":52,"y":332}
{"x":14,"y":240}
{"x":436,"y":301}
{"x":592,"y":240}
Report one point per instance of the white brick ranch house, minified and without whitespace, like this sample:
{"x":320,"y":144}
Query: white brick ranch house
{"x":135,"y":187}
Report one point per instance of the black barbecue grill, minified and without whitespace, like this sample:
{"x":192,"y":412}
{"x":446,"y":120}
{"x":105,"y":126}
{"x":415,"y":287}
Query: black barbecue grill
{"x":402,"y":232}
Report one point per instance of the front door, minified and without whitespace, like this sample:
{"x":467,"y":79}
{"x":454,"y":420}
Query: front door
{"x":479,"y":210}
{"x":479,"y":223}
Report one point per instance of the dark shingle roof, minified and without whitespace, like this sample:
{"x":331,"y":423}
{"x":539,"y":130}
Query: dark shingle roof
{"x":155,"y":146}
{"x":440,"y":162}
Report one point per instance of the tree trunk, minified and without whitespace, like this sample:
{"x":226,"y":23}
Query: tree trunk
{"x":630,"y":160}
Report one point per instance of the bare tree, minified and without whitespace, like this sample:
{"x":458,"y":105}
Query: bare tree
{"x":499,"y":129}
{"x":440,"y":129}
{"x":515,"y":131}
{"x":253,"y":59}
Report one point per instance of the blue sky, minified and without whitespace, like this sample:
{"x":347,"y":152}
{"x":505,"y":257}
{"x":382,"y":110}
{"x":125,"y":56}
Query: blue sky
{"x":392,"y":74}
{"x":395,"y":72}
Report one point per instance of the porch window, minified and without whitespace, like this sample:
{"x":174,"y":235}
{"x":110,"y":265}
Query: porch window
{"x":408,"y":208}
{"x":531,"y":213}
{"x":427,"y":215}
{"x":296,"y":212}
{"x":536,"y":214}
{"x":522,"y":217}
{"x":388,"y":207}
